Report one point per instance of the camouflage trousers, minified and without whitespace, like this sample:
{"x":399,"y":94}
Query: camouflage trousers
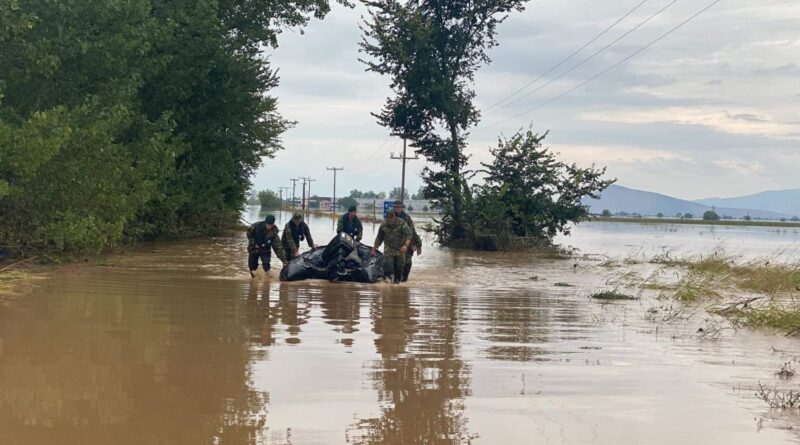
{"x":407,"y":267}
{"x":394,"y":264}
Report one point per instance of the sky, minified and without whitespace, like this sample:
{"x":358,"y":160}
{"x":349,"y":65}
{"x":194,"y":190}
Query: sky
{"x":712,"y":109}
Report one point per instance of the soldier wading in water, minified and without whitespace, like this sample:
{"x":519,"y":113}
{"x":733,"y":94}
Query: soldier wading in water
{"x":397,"y":236}
{"x":294,"y":232}
{"x":416,"y":241}
{"x":261,"y":237}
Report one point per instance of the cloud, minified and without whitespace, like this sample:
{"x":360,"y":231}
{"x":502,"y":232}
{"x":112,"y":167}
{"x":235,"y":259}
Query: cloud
{"x":741,"y":121}
{"x":711,"y":109}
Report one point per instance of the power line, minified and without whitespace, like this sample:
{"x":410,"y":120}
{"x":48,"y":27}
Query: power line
{"x":554,"y":67}
{"x":374,"y":154}
{"x":595,"y":54}
{"x":628,"y":57}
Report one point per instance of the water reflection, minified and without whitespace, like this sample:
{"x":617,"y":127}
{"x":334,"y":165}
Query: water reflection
{"x":104,"y":365}
{"x":420,"y":378}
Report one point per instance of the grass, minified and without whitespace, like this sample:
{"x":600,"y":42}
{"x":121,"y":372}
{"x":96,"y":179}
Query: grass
{"x":784,"y":318}
{"x":612,"y":295}
{"x":723,"y":222}
{"x":768,"y":285}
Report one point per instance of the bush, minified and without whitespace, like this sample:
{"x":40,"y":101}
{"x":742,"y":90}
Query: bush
{"x":528,"y":194}
{"x":710,"y":215}
{"x":269,"y":199}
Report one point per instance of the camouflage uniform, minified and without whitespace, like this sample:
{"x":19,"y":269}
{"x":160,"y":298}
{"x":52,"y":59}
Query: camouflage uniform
{"x":351,"y":227}
{"x":395,"y":232}
{"x":259,"y":241}
{"x":416,"y":243}
{"x":295,"y":231}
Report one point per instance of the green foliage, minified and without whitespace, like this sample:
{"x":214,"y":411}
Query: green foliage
{"x":367,"y":195}
{"x":528,"y":193}
{"x":137,"y":118}
{"x":659,"y":215}
{"x":431,"y":51}
{"x":395,"y":193}
{"x":346,"y":202}
{"x":420,"y":195}
{"x":687,"y":216}
{"x":710,"y":215}
{"x":606,"y":213}
{"x":269,"y":199}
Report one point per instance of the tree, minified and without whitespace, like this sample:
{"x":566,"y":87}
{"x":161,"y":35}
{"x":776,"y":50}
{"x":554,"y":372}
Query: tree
{"x":367,"y":195}
{"x":431,"y":50}
{"x":530,"y":193}
{"x":346,"y":202}
{"x":710,"y":215}
{"x":659,"y":215}
{"x":420,"y":195}
{"x":688,"y":216}
{"x":395,"y":193}
{"x":269,"y":199}
{"x":606,"y":213}
{"x":140,"y":119}
{"x":747,"y":218}
{"x":679,"y":215}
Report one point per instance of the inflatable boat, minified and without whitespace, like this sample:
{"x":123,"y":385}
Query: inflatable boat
{"x":343,"y":259}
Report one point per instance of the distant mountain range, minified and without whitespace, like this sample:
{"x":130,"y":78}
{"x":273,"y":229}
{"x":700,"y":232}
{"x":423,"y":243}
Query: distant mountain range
{"x":617,"y":199}
{"x":781,"y":201}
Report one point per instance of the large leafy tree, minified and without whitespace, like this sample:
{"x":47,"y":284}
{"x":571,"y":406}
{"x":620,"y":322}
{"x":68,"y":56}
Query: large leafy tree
{"x":431,"y":50}
{"x":137,"y":117}
{"x":529,"y":193}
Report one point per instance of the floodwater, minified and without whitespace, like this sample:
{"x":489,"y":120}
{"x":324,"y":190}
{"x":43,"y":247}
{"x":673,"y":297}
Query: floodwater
{"x":175,"y":344}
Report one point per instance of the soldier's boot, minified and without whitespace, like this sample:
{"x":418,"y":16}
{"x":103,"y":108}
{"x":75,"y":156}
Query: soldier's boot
{"x":406,"y":272}
{"x":252,"y":273}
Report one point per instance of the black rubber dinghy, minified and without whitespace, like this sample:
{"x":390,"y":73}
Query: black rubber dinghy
{"x":343,"y":259}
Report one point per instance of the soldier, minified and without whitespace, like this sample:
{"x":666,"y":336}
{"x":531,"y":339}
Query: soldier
{"x":398,"y":237}
{"x":350,"y":224}
{"x":296,"y":230}
{"x":262,"y":236}
{"x":416,"y":241}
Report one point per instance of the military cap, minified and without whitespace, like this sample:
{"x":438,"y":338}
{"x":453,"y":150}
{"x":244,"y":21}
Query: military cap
{"x":398,"y":203}
{"x":297,"y":216}
{"x":351,"y":209}
{"x":270,"y":219}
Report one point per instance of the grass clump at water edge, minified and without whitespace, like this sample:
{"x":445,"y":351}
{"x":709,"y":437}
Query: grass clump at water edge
{"x":612,"y":295}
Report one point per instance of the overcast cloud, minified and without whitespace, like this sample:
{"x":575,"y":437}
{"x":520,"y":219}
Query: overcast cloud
{"x":711,"y":110}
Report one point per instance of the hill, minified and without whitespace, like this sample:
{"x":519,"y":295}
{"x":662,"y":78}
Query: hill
{"x":780,"y":201}
{"x":618,"y":199}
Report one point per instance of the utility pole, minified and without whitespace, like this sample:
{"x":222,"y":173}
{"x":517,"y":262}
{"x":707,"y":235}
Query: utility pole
{"x":303,"y":199}
{"x":403,"y":158}
{"x":281,"y":190}
{"x":334,"y":170}
{"x":294,"y":184}
{"x":309,"y":191}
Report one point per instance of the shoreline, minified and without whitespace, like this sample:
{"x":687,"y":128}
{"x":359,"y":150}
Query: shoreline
{"x":699,"y":222}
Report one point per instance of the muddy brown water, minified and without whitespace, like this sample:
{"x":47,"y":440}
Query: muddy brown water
{"x":175,"y":344}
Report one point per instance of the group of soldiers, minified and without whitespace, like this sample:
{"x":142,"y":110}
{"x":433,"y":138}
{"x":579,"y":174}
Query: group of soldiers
{"x":397,"y":234}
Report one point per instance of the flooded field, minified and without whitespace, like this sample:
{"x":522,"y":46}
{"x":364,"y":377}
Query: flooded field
{"x":175,"y":344}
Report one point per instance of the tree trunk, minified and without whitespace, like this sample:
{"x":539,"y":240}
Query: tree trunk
{"x":458,"y":197}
